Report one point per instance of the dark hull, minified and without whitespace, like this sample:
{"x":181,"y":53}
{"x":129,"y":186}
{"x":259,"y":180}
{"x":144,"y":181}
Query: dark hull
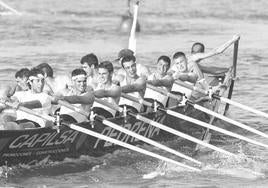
{"x":33,"y":145}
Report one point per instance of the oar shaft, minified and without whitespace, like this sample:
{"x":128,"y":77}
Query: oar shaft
{"x":9,"y":8}
{"x":244,"y":107}
{"x":72,"y":107}
{"x":163,"y":92}
{"x":141,"y":101}
{"x":149,"y":141}
{"x":32,"y":112}
{"x":203,"y":124}
{"x":129,"y":146}
{"x":180,"y":134}
{"x":241,"y":125}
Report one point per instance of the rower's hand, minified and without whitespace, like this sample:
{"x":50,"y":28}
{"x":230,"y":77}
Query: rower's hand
{"x":15,"y":104}
{"x":56,"y":98}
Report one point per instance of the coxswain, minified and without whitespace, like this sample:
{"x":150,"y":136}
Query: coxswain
{"x":90,"y":64}
{"x":131,"y":83}
{"x":80,"y":95}
{"x":34,"y":99}
{"x":106,"y":90}
{"x":142,"y":70}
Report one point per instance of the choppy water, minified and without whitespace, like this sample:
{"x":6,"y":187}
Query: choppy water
{"x":60,"y":32}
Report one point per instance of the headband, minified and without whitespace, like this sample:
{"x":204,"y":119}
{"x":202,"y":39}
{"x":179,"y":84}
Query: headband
{"x":79,"y":76}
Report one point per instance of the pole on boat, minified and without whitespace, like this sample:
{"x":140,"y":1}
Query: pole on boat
{"x":133,"y":134}
{"x":132,"y":43}
{"x":210,"y":112}
{"x":9,"y":8}
{"x":168,"y":129}
{"x":223,"y":99}
{"x":235,"y":54}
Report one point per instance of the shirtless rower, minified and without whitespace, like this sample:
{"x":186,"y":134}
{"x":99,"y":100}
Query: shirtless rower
{"x":34,"y":99}
{"x":180,"y":69}
{"x":80,"y":95}
{"x":90,"y":64}
{"x":53,"y":84}
{"x":106,"y":90}
{"x":160,"y":78}
{"x":141,"y":69}
{"x":130,"y":82}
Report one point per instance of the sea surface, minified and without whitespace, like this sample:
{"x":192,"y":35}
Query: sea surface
{"x":60,"y":32}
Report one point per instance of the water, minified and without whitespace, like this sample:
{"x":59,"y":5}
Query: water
{"x":60,"y":32}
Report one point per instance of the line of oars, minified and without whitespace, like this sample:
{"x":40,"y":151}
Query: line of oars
{"x":223,"y":99}
{"x":112,"y":140}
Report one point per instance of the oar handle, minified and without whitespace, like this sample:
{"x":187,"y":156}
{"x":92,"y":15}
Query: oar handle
{"x":135,"y":99}
{"x":163,"y":91}
{"x":181,"y":83}
{"x":72,"y":107}
{"x":32,"y":112}
{"x":112,"y":106}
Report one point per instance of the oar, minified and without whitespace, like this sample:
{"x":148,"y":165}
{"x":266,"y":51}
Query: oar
{"x":32,"y":112}
{"x":72,"y":107}
{"x":106,"y":138}
{"x":223,"y":99}
{"x":132,"y":43}
{"x":168,"y":129}
{"x":129,"y":146}
{"x":9,"y":8}
{"x":210,"y":112}
{"x":135,"y":135}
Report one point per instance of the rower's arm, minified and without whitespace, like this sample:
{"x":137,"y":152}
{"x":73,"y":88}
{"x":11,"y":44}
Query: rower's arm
{"x":8,"y":91}
{"x":139,"y":85}
{"x":31,"y":104}
{"x":190,"y":77}
{"x":87,"y":98}
{"x":221,"y":49}
{"x":115,"y":91}
{"x":166,"y":82}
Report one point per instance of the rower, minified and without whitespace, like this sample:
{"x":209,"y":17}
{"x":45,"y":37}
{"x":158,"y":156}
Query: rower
{"x":106,"y":90}
{"x":131,"y":83}
{"x":142,"y":70}
{"x":34,"y":99}
{"x":160,"y":78}
{"x":53,"y":84}
{"x":21,"y":77}
{"x":90,"y":64}
{"x":80,"y":95}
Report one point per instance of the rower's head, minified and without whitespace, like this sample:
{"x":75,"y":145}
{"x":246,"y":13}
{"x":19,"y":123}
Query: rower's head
{"x":89,"y":62}
{"x":198,"y":48}
{"x":22,"y":77}
{"x":124,"y":53}
{"x":129,"y":64}
{"x":105,"y":70}
{"x":36,"y":80}
{"x":46,"y":68}
{"x":163,"y":64}
{"x":79,"y":78}
{"x":180,"y":61}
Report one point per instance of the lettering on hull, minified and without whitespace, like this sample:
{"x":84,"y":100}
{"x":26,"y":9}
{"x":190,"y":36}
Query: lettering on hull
{"x":138,"y":127}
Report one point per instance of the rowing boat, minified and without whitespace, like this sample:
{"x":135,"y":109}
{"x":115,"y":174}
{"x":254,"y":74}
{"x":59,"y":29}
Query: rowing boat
{"x":34,"y":144}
